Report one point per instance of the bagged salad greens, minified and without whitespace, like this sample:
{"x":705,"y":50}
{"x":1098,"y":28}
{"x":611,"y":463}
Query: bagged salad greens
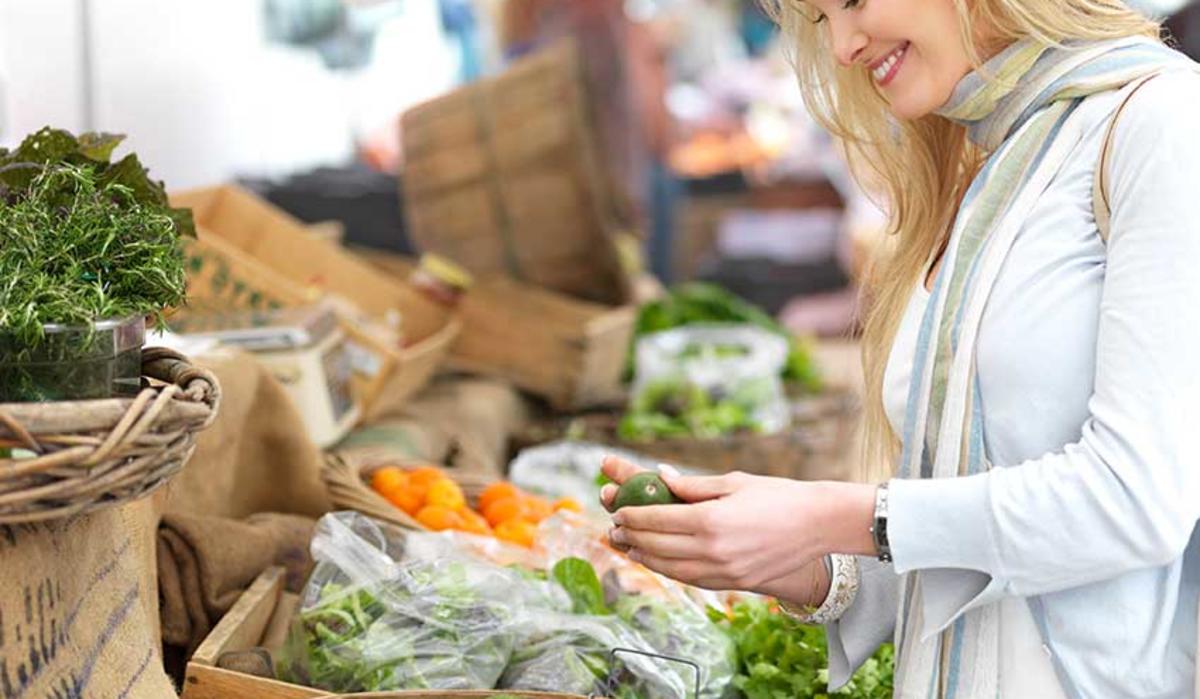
{"x":389,"y":610}
{"x":669,"y":618}
{"x":707,"y":381}
{"x":386,"y":610}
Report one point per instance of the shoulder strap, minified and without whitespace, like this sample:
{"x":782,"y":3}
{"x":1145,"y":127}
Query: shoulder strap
{"x":1100,"y":204}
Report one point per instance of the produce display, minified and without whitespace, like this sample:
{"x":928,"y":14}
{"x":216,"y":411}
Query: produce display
{"x":390,"y":610}
{"x":707,"y":381}
{"x":384,"y":610}
{"x":432,"y":498}
{"x":82,"y":239}
{"x":697,"y":302}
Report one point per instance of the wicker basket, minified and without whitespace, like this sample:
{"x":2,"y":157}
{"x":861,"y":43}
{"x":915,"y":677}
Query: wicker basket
{"x":347,"y":484}
{"x":94,"y":454}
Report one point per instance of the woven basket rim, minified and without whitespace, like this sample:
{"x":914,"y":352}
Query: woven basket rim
{"x":94,"y":454}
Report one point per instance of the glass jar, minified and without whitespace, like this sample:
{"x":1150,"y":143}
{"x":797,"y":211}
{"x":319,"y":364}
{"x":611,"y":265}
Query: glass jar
{"x":441,"y":280}
{"x":74,"y":362}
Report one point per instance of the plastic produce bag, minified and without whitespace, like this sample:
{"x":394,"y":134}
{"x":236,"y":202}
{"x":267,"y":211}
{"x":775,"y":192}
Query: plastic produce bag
{"x":667,"y":617}
{"x":573,"y":654}
{"x":707,"y":381}
{"x":389,"y":610}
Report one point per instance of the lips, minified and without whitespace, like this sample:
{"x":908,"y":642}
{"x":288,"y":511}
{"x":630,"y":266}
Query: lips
{"x":884,"y":70}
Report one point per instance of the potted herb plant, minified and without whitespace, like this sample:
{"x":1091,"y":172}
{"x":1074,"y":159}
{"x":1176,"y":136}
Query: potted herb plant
{"x":89,"y":249}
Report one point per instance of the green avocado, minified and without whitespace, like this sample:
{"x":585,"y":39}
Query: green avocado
{"x":644,"y":489}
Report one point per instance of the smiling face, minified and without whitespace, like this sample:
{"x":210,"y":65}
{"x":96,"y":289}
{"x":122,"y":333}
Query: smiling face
{"x":912,"y":48}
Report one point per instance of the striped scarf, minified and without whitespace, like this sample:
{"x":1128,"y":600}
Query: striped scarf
{"x":1025,"y":118}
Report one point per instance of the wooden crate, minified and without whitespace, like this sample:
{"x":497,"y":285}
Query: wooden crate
{"x":502,"y":176}
{"x":568,"y":351}
{"x":258,"y":254}
{"x":260,"y":619}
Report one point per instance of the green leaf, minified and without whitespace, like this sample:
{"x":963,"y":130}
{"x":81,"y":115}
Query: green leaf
{"x":579,"y":579}
{"x":99,"y":146}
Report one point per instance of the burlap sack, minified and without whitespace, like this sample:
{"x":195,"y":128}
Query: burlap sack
{"x":205,"y":563}
{"x":465,"y":422}
{"x":257,"y":457}
{"x":79,"y":607}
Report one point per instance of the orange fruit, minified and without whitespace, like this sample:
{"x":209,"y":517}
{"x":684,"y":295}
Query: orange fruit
{"x":387,"y":479}
{"x":439,"y":518}
{"x":537,"y":509}
{"x":570,"y":504}
{"x":445,"y":493}
{"x":406,"y":499}
{"x":425,"y":475}
{"x":517,"y":531}
{"x":497,"y":491}
{"x":505,"y":509}
{"x":474,"y":523}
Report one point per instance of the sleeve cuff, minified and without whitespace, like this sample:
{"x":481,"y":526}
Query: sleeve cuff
{"x":940,"y":523}
{"x":940,"y":527}
{"x":868,"y":623}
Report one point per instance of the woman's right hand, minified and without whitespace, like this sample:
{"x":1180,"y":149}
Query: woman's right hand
{"x":689,"y":549}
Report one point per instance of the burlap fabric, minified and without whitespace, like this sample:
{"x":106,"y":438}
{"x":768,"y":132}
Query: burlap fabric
{"x":78,"y":607}
{"x":205,"y":563}
{"x":465,"y":422}
{"x":257,"y":457}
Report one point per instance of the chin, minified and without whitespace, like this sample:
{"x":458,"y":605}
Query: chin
{"x":911,"y":107}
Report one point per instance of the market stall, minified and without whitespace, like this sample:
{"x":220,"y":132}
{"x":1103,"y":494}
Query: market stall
{"x":361,"y":472}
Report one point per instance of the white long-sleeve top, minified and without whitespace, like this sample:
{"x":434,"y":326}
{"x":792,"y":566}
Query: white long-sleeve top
{"x":1089,"y":375}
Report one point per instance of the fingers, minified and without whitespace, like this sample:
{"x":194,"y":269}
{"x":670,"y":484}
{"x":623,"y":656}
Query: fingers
{"x":661,"y":545}
{"x":607,"y":494}
{"x":687,"y":571}
{"x":666,"y":519}
{"x":619,"y":470}
{"x":698,"y":488}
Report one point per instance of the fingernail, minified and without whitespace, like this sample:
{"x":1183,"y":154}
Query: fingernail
{"x":634,"y":556}
{"x":618,"y":519}
{"x":668,"y":470}
{"x":617,"y":536}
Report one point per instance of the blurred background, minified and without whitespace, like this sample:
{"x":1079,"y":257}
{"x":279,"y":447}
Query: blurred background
{"x":719,"y":171}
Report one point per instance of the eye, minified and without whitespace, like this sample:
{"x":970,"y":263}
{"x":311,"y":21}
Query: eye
{"x":820,"y":17}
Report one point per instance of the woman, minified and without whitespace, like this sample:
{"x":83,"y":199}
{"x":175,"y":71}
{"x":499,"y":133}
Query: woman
{"x":1029,"y":360}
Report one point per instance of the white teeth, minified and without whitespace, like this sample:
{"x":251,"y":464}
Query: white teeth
{"x":890,"y":62}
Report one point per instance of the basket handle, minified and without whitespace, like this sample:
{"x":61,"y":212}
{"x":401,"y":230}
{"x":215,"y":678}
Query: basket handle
{"x":170,"y":367}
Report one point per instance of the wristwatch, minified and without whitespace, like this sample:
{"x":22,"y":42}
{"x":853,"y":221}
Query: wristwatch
{"x":879,"y":532}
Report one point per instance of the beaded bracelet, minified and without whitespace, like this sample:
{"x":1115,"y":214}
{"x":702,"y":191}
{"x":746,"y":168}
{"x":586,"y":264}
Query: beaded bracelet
{"x":843,"y":588}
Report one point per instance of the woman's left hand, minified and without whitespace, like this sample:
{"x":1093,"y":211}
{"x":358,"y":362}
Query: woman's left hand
{"x":738,"y":531}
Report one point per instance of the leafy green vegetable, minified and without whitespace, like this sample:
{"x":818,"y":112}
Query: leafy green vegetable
{"x":780,"y":657}
{"x":579,"y":579}
{"x":82,"y":240}
{"x":697,"y":302}
{"x":675,"y":407}
{"x":426,"y":628}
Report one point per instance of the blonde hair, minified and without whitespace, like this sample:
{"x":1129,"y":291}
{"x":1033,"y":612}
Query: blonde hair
{"x":922,"y":166}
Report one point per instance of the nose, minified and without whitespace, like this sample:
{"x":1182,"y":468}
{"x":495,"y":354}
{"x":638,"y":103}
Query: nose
{"x":849,"y":42}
